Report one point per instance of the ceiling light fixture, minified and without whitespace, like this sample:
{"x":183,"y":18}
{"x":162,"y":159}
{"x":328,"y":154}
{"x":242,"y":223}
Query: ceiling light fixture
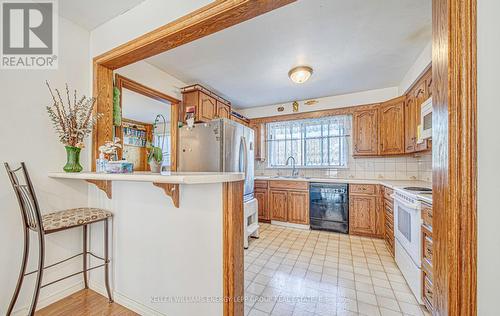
{"x":300,"y":74}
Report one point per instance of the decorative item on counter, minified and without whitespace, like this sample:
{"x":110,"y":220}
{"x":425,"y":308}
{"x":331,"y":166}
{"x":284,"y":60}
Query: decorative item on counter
{"x":190,"y":116}
{"x":295,"y":105}
{"x":101,"y":162}
{"x":110,"y":148}
{"x":72,"y":122}
{"x":155,"y":153}
{"x":121,"y":166}
{"x":117,"y":110}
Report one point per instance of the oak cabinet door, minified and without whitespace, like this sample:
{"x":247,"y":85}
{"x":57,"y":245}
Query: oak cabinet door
{"x":298,"y":207}
{"x":363,"y":215}
{"x":278,"y":205}
{"x":207,"y":108}
{"x":365,"y":132}
{"x":410,"y":113}
{"x":223,"y":110}
{"x":391,"y":125}
{"x":262,"y":200}
{"x":257,"y":140}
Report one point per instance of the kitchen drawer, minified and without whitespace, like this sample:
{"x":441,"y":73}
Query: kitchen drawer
{"x":289,"y":185}
{"x":427,"y":249}
{"x":261,"y":184}
{"x":388,"y":194}
{"x":427,"y":215}
{"x":427,"y":291}
{"x":368,"y":189}
{"x":389,"y":243}
{"x":389,"y":229}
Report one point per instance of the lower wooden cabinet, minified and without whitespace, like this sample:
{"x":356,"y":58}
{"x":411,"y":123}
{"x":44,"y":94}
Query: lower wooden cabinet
{"x":362,"y":215}
{"x":365,"y":216}
{"x":298,"y":207}
{"x":263,"y":202}
{"x":278,"y":205}
{"x":427,"y":256}
{"x":388,"y":205}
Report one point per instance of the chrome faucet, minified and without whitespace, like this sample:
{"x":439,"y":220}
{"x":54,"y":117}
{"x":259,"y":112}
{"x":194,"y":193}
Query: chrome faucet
{"x":295,"y":172}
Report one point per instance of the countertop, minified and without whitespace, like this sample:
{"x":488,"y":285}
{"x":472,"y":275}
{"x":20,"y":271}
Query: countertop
{"x":393,"y":184}
{"x":170,"y":177}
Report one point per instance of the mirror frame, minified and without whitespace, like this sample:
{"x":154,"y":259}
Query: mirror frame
{"x":122,"y":82}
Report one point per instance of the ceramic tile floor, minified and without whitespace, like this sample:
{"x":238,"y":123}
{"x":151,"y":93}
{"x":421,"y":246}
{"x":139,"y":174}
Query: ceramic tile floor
{"x":300,"y":272}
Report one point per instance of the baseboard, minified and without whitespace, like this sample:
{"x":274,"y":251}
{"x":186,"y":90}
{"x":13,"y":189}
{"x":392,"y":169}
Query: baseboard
{"x":291,"y":225}
{"x":125,"y":301}
{"x":51,"y":298}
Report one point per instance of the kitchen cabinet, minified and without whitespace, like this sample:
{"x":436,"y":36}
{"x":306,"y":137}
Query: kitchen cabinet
{"x":365,"y":132}
{"x":298,"y":207}
{"x":262,"y":196}
{"x":278,"y":205}
{"x":388,"y":205}
{"x":364,"y":217}
{"x":223,"y":110}
{"x":427,"y":255}
{"x":420,"y":91}
{"x":391,"y":127}
{"x":259,"y":134}
{"x":207,"y":105}
{"x":262,"y":200}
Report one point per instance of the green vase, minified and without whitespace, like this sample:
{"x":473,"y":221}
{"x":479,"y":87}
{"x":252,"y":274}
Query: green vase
{"x":73,"y":159}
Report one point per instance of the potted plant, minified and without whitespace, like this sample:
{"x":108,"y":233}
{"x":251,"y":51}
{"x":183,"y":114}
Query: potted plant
{"x":155,"y":158}
{"x":73,"y":121}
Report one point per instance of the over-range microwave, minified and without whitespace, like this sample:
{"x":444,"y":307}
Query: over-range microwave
{"x":426,"y":119}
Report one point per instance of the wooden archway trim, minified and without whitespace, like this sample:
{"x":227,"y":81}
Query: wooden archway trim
{"x":207,"y":20}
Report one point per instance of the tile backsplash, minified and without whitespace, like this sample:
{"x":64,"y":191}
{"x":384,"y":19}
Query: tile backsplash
{"x":417,"y":167}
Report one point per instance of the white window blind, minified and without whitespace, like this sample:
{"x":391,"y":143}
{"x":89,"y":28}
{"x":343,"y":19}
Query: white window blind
{"x":321,"y":142}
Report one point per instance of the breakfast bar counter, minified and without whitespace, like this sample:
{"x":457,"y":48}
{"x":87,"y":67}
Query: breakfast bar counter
{"x":177,"y":240}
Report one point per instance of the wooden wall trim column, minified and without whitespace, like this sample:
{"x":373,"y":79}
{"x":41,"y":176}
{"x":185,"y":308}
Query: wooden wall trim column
{"x":233,"y":268}
{"x":454,"y":156}
{"x":207,"y":20}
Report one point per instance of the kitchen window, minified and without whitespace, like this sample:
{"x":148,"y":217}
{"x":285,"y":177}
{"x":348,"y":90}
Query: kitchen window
{"x":314,"y":143}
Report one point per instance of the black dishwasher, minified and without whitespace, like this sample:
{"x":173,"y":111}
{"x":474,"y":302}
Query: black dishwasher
{"x":329,"y":207}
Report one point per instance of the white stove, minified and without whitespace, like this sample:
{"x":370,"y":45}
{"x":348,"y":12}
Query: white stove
{"x":408,"y":235}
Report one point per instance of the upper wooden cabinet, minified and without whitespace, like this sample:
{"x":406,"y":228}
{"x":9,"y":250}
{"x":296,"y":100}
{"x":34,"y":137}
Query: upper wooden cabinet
{"x":391,"y":127}
{"x":419,"y":92}
{"x":259,"y":140}
{"x":410,"y":113}
{"x":207,"y":105}
{"x":223,"y":110}
{"x":365,"y":132}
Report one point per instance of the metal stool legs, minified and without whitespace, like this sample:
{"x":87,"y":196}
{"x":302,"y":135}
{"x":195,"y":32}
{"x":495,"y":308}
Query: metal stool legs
{"x":106,"y":260}
{"x":38,"y":283}
{"x":85,"y":256}
{"x":22,"y":272}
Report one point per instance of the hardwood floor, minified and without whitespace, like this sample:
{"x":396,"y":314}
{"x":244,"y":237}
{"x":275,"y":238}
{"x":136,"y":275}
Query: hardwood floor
{"x":85,"y":302}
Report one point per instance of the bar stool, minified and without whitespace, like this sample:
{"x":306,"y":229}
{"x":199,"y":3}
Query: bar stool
{"x":51,"y":223}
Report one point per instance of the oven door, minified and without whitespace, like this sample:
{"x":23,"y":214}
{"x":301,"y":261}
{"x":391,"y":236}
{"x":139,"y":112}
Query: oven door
{"x":407,"y":222}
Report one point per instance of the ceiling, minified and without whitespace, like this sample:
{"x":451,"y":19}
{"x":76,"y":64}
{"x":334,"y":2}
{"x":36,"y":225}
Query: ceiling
{"x":352,"y":46}
{"x":144,"y":109}
{"x":91,"y":13}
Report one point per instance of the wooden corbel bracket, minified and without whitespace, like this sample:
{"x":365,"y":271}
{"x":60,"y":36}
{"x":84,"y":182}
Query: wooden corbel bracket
{"x":103,"y":185}
{"x":171,"y":190}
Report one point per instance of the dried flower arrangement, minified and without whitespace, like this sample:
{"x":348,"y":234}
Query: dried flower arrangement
{"x":73,"y":121}
{"x":110,"y":148}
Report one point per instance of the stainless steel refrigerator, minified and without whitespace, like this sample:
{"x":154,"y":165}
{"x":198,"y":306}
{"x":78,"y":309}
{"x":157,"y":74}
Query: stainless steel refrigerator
{"x":218,"y":146}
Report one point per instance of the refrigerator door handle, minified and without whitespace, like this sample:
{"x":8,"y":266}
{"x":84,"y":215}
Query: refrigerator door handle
{"x":245,"y":155}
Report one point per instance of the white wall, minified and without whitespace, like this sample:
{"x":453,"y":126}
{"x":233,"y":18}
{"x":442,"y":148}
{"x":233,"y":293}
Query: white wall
{"x":153,"y":77}
{"x":27,"y":135}
{"x":422,"y":62}
{"x":488,"y":67}
{"x":141,"y":19}
{"x":338,"y":101}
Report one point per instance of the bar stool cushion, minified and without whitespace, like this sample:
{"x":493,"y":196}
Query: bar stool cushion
{"x":73,"y":217}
